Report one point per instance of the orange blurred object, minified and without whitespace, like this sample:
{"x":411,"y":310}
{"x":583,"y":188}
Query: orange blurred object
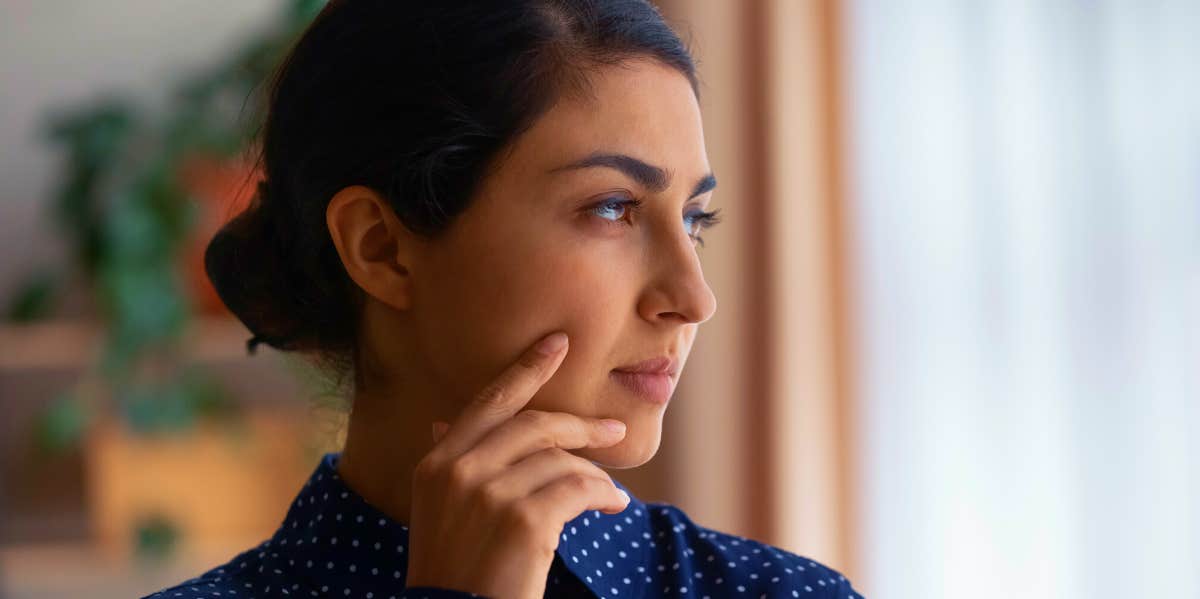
{"x":222,"y":189}
{"x":217,"y":485}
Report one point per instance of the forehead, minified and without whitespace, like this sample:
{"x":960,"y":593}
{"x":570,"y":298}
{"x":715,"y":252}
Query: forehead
{"x":641,"y":108}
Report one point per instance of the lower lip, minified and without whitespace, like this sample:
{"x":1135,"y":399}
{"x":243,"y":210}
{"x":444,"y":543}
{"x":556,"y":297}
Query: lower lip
{"x":653,"y":387}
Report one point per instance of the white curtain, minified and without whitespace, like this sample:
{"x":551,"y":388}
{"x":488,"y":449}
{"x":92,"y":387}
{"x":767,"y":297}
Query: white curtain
{"x":1026,"y":203}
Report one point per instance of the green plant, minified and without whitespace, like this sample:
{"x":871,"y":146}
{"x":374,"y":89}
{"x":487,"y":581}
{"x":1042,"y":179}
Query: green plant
{"x":127,"y":215}
{"x":154,"y":538}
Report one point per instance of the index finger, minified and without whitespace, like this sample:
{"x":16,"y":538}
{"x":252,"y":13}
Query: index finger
{"x":506,"y":394}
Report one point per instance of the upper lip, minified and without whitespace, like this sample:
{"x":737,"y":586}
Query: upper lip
{"x":661,"y":364}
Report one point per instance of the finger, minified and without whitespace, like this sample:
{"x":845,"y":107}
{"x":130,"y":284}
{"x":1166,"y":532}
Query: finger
{"x":531,"y":431}
{"x":536,"y":471}
{"x":505,"y":395}
{"x":567,"y":497}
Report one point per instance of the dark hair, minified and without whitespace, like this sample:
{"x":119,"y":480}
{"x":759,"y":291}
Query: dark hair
{"x":414,"y":99}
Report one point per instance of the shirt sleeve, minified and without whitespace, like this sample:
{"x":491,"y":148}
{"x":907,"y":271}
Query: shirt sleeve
{"x":437,"y":593}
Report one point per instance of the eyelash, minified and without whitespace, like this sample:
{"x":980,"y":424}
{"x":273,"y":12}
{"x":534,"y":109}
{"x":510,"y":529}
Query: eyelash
{"x":704,"y":220}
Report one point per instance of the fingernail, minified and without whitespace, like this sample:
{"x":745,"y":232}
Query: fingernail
{"x":553,"y":343}
{"x":615,"y":426}
{"x":624,"y":494}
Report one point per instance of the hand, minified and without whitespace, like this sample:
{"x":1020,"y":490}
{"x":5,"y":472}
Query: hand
{"x":491,"y":498}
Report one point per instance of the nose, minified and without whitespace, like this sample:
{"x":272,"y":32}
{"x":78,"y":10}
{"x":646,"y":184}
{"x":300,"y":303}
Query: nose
{"x":677,"y":290}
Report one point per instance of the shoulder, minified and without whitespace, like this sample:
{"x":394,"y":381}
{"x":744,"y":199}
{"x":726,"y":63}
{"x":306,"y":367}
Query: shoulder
{"x":722,"y":562}
{"x":239,"y":574}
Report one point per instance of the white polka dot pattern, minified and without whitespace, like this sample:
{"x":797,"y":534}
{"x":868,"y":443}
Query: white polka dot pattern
{"x":332,"y":543}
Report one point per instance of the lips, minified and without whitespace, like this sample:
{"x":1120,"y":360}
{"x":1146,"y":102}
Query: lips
{"x":660,"y":365}
{"x":655,"y":387}
{"x":652,"y":379}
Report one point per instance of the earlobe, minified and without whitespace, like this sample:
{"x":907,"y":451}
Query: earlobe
{"x":372,"y":243}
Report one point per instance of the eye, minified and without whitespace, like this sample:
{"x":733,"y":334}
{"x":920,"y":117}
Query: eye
{"x":616,"y":207}
{"x":701,"y":221}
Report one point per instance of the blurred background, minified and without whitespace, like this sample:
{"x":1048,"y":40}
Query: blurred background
{"x":958,"y":346}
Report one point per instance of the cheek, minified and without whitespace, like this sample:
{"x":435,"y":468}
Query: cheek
{"x":480,"y":314}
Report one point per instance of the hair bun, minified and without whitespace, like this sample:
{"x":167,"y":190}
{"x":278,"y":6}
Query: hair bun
{"x":243,"y":263}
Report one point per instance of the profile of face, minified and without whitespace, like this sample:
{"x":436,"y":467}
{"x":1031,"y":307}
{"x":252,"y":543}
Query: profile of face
{"x":550,"y":243}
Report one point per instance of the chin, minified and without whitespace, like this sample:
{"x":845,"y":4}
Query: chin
{"x":630,"y":452}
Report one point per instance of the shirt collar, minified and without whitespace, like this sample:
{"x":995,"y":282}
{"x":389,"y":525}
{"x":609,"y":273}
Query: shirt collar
{"x":607,"y":552}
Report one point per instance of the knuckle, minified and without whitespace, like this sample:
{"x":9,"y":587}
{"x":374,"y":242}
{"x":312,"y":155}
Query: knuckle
{"x":545,"y":438}
{"x":578,"y":482}
{"x":461,"y":471}
{"x":535,"y":421}
{"x":558,"y":454}
{"x":595,"y":471}
{"x":492,"y":394}
{"x":491,"y":496}
{"x":533,"y":418}
{"x":426,"y":470}
{"x":539,"y":425}
{"x":524,"y":519}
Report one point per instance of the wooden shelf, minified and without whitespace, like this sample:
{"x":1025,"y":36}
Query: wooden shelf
{"x":43,"y":499}
{"x":69,"y":570}
{"x":72,"y":344}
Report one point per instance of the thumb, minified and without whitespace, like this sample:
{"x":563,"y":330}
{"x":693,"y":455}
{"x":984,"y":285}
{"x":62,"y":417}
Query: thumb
{"x":439,"y":429}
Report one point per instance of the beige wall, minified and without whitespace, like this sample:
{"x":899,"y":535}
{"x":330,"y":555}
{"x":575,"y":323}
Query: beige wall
{"x":57,"y":53}
{"x":758,"y":442}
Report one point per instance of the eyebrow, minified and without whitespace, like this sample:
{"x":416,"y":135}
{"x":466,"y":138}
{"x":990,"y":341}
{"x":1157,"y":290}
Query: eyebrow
{"x":647,"y":175}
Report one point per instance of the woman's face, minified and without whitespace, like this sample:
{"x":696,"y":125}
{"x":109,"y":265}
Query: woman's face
{"x":545,"y":246}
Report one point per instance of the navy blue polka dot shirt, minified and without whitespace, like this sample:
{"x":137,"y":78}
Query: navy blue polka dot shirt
{"x":332,"y":543}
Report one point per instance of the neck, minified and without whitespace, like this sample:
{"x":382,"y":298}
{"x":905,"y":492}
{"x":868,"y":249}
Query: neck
{"x":387,"y":435}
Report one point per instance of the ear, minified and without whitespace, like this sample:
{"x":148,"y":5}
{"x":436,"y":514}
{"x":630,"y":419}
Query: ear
{"x":375,"y":247}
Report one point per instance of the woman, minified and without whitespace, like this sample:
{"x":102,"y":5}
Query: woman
{"x":486,"y":214}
